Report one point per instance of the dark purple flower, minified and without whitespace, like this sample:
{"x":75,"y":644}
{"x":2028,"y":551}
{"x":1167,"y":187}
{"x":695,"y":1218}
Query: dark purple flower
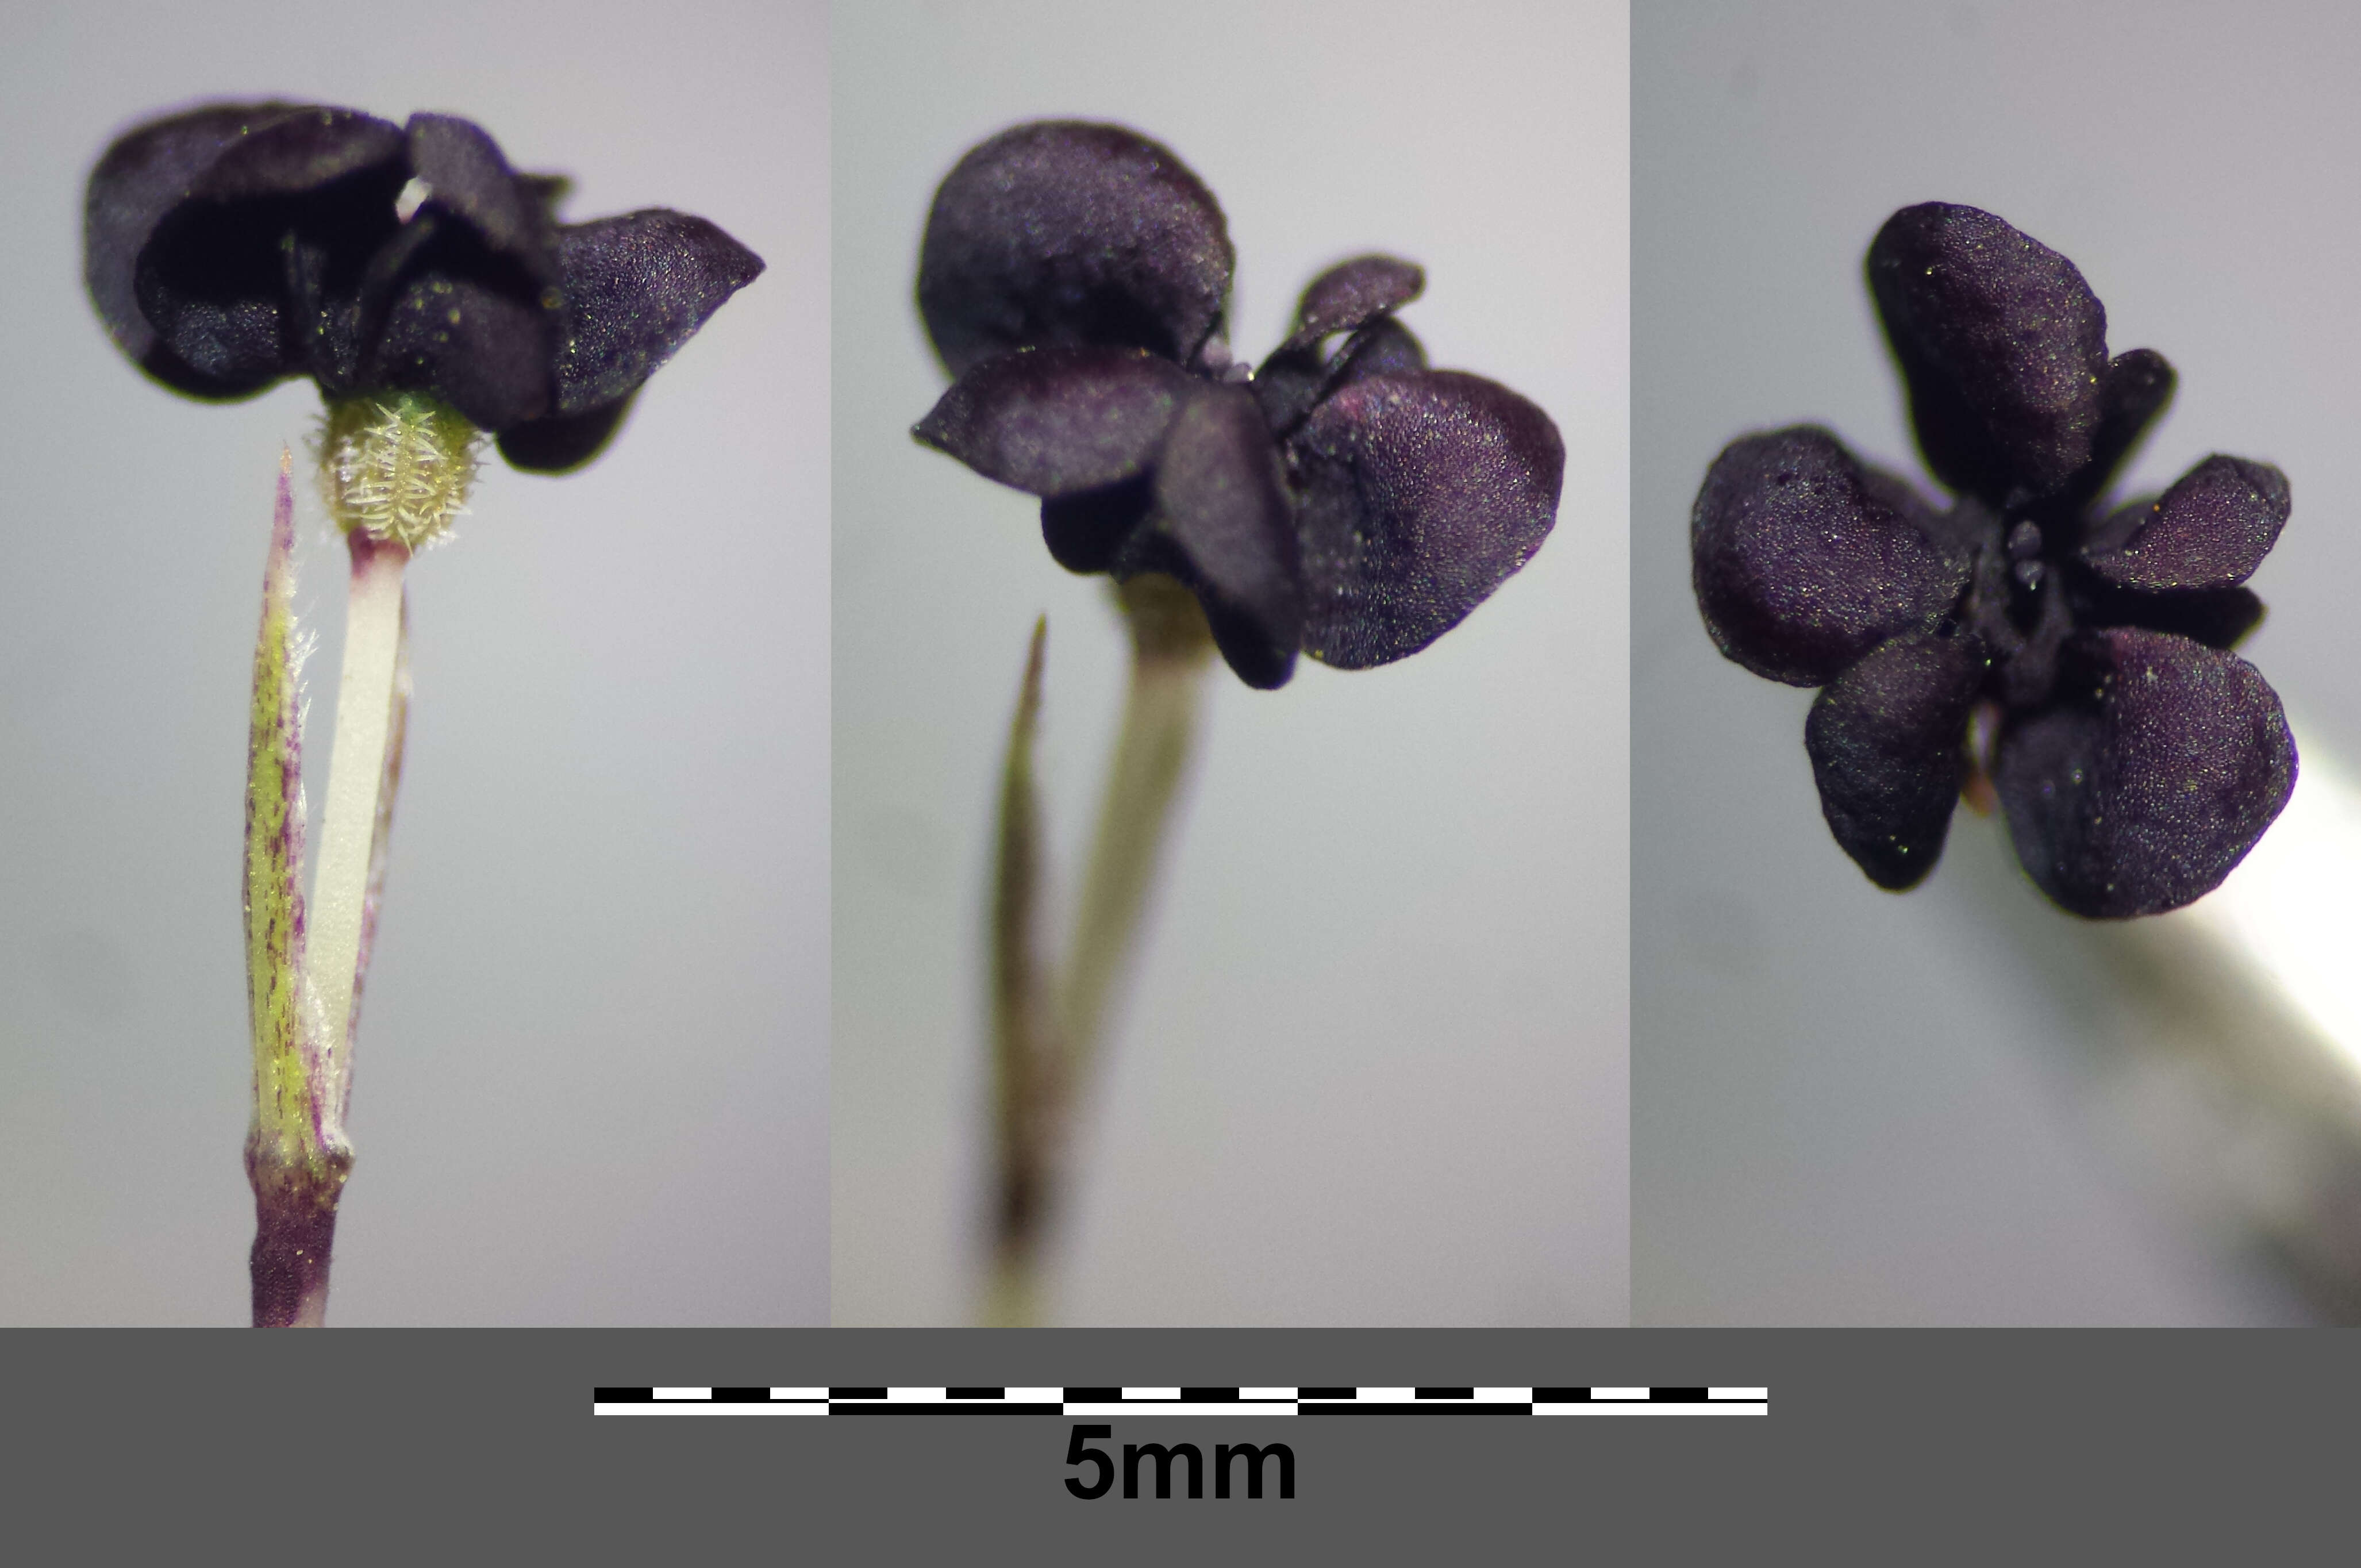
{"x":1354,"y":505}
{"x":2136,"y":758}
{"x":230,"y":247}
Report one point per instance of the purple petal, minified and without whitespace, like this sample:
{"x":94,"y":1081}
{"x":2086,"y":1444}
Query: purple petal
{"x":1803,"y":562}
{"x":1887,"y":740}
{"x":2003,"y":346}
{"x":2157,"y":771}
{"x":1352,"y":293}
{"x":294,"y":154}
{"x":465,"y":173}
{"x":208,"y":221}
{"x":476,"y":345}
{"x":2210,"y":530}
{"x":637,"y":287}
{"x":142,"y":177}
{"x":1221,"y":523}
{"x":1418,"y":496}
{"x":1058,"y":421}
{"x":1065,"y":232}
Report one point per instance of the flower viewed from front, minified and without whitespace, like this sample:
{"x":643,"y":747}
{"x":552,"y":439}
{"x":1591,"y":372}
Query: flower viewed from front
{"x":2075,"y":656}
{"x":232,"y":245}
{"x":1353,"y":506}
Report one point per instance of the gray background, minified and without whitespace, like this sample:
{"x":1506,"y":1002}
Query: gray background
{"x":1855,"y":1108}
{"x":591,"y":1076}
{"x":1373,"y":1069}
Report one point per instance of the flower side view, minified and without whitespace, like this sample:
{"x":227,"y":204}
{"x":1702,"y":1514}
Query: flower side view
{"x":233,"y":245}
{"x":2084,"y":649}
{"x":1355,"y":507}
{"x":429,"y":290}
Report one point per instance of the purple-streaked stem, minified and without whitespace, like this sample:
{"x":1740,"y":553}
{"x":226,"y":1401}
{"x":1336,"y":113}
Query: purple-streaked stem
{"x":304,"y":964}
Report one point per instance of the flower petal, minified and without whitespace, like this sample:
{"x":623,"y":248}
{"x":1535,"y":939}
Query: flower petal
{"x":1058,"y":421}
{"x":1221,"y":523}
{"x":296,"y":154}
{"x":1803,"y":562}
{"x":1352,"y":293}
{"x":2154,"y":776}
{"x":1060,"y":232}
{"x":232,"y":208}
{"x":637,"y":287}
{"x":2210,"y":530}
{"x":465,"y":174}
{"x":142,"y":177}
{"x":1419,"y":495}
{"x":2003,"y":346}
{"x":1887,"y":740}
{"x":476,"y":345}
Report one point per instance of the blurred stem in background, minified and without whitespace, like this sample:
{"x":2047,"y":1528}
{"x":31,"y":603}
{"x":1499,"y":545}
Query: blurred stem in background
{"x":2227,"y":1045}
{"x":1049,"y":1024}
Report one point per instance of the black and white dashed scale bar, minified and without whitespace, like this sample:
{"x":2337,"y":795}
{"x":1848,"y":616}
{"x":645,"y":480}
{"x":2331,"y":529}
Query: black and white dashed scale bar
{"x":1014,"y":1401}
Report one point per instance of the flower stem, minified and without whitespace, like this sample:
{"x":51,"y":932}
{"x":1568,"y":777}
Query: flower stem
{"x":1171,"y":649}
{"x":367,"y":695}
{"x":1045,"y":1051}
{"x":303,"y":964}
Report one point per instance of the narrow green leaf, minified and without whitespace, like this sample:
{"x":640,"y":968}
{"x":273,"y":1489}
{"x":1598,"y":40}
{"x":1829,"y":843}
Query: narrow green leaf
{"x":287,"y":1130}
{"x":1023,"y":1046}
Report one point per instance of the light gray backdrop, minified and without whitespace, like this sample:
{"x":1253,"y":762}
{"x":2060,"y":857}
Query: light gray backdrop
{"x":1851,"y":1107}
{"x":592,"y":1073}
{"x":1373,"y":1069}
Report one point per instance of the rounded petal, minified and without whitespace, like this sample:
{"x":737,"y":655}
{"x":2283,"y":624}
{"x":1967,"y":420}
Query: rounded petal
{"x":201,"y":227}
{"x":258,"y":273}
{"x":2210,"y":530}
{"x":1803,"y":562}
{"x":1221,"y":523}
{"x":1887,"y":740}
{"x":2157,"y":771}
{"x":144,"y":174}
{"x":476,"y":345}
{"x":2003,"y":346}
{"x":1352,"y":293}
{"x":1058,"y":421}
{"x":465,"y":174}
{"x":1418,"y":496}
{"x":636,"y":288}
{"x":1060,"y":232}
{"x":297,"y":153}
